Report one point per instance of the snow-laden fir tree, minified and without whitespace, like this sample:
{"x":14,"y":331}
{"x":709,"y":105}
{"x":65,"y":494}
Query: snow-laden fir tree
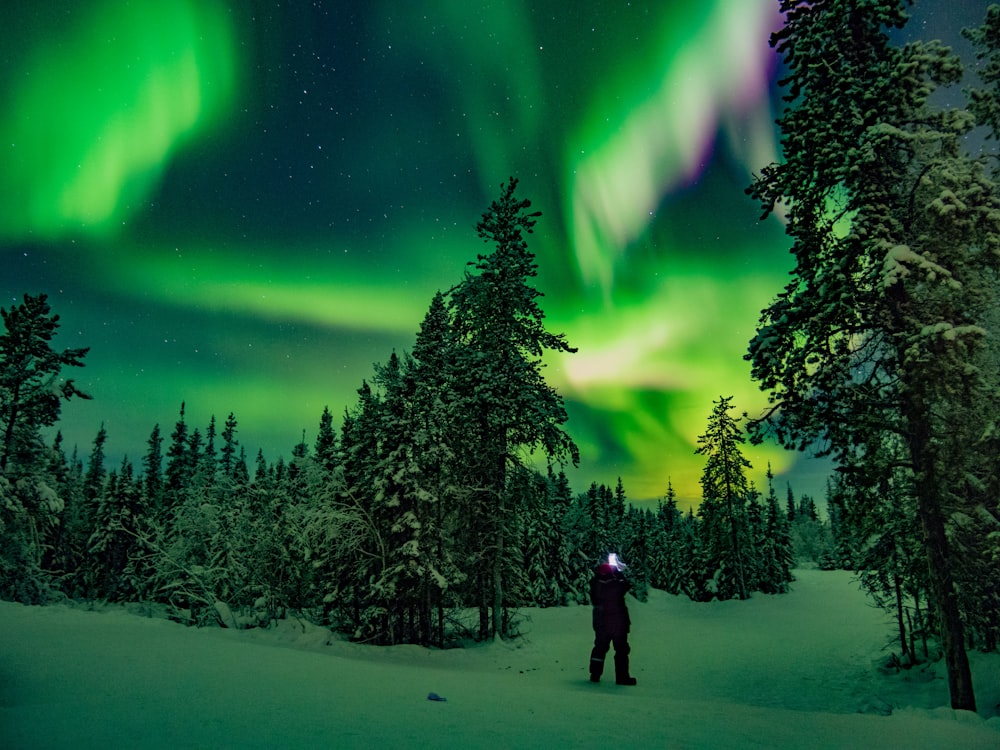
{"x":326,"y":447}
{"x":637,"y":547}
{"x":152,"y":471}
{"x":756,"y":540}
{"x":667,"y":552}
{"x":114,"y":541}
{"x":776,"y":546}
{"x":180,"y":464}
{"x":723,"y":509}
{"x":32,"y":388}
{"x":400,"y":507}
{"x":431,"y":471}
{"x":351,"y":550}
{"x":550,"y":578}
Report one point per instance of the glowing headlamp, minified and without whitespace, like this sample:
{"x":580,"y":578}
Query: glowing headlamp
{"x":614,"y":562}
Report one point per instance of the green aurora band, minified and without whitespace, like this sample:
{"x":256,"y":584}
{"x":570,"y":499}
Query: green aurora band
{"x":243,"y":208}
{"x":98,"y":105}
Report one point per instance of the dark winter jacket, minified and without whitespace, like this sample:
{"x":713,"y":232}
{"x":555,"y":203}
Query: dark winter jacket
{"x":607,"y":594}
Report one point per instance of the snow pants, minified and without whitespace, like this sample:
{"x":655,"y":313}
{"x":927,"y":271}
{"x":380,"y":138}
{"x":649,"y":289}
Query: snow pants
{"x":602,"y":644}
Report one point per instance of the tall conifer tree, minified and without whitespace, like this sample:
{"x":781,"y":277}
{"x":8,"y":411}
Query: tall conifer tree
{"x":724,"y":494}
{"x":501,"y":337}
{"x":895,"y":233}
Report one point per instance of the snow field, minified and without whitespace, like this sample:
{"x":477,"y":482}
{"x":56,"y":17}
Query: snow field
{"x":793,"y":671}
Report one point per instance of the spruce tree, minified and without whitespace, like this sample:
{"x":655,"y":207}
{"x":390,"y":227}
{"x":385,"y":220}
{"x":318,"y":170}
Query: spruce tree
{"x":636,"y":548}
{"x":355,"y":553}
{"x":74,"y":531}
{"x":400,"y":587}
{"x":31,"y":386}
{"x":152,"y":474}
{"x":117,"y":523}
{"x":669,"y":555}
{"x":229,"y":459}
{"x":436,"y":441}
{"x":509,"y":408}
{"x":180,"y":464}
{"x":776,"y":548}
{"x":93,"y":480}
{"x":724,"y":494}
{"x":325,"y":449}
{"x":598,"y":539}
{"x":659,"y":561}
{"x":94,"y":486}
{"x":208,"y":464}
{"x":563,"y":567}
{"x":698,"y":566}
{"x":757,"y":574}
{"x":844,"y":549}
{"x":549,"y":576}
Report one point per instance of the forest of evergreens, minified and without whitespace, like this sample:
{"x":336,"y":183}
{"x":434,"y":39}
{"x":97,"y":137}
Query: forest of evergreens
{"x":426,"y":506}
{"x":440,"y":504}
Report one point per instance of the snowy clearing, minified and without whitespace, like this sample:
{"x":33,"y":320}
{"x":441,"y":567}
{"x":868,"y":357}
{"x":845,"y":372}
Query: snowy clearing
{"x":793,"y":671}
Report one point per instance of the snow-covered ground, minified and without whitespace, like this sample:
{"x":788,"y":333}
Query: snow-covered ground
{"x":794,"y":671}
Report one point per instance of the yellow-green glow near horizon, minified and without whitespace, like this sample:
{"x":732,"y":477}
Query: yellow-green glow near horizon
{"x":98,"y":107}
{"x":244,"y":206}
{"x":653,"y":371}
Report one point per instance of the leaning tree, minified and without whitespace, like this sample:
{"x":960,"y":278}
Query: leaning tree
{"x":895,"y":233}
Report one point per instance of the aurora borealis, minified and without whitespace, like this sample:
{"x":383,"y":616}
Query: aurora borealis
{"x":244,"y":205}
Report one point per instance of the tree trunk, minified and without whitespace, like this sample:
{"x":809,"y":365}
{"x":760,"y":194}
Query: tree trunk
{"x":901,"y":619}
{"x":484,"y":610}
{"x":941,"y":583}
{"x":943,"y":588}
{"x":921,"y":621}
{"x":498,"y":625}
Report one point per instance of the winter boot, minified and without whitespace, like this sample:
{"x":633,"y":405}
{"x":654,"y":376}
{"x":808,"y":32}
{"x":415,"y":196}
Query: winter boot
{"x":596,"y":669}
{"x":621,"y":667}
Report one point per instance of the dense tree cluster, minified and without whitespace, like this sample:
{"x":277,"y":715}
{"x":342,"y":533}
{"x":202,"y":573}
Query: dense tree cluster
{"x":880,"y":350}
{"x":214,"y":542}
{"x":394,"y":528}
{"x":413,"y":510}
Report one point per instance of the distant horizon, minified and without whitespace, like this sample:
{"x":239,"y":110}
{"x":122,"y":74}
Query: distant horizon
{"x":804,"y":477}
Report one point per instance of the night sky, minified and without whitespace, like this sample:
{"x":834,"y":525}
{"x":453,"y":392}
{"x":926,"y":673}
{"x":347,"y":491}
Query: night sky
{"x":245,"y":205}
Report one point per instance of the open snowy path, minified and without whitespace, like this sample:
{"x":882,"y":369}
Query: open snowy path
{"x":789,"y":672}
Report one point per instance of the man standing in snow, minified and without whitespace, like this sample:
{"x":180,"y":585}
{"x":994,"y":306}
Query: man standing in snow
{"x":611,"y":621}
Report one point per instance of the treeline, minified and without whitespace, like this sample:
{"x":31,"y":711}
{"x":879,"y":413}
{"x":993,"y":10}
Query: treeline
{"x":374,"y":529}
{"x":219,"y":542}
{"x":381,"y":529}
{"x":216,"y":541}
